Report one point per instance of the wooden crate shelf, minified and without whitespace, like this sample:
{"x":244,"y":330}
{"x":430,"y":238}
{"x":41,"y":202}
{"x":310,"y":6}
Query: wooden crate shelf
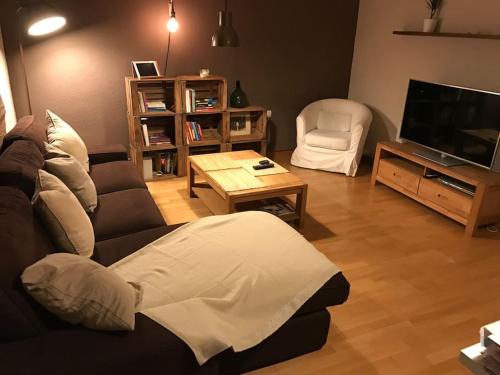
{"x":214,"y":122}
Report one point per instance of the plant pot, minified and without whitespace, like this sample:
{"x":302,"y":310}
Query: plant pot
{"x":430,"y":25}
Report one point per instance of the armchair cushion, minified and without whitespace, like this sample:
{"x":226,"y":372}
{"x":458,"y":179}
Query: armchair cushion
{"x":340,"y":122}
{"x":332,"y":140}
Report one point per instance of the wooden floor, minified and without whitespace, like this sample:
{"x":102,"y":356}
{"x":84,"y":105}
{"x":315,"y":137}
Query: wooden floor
{"x":420,"y":289}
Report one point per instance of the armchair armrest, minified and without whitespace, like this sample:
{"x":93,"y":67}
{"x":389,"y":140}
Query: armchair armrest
{"x":106,"y":153}
{"x":304,"y":125}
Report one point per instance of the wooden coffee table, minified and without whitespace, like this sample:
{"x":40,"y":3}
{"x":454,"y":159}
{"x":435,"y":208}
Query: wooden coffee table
{"x":230,"y":184}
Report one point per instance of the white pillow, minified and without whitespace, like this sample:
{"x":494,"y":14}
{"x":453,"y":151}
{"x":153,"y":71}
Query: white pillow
{"x":61,"y":135}
{"x":81,"y":291}
{"x":63,"y":216}
{"x":71,"y":172}
{"x":339,"y":122}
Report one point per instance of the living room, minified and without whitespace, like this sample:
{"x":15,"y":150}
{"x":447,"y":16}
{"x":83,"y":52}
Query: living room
{"x":399,"y":270}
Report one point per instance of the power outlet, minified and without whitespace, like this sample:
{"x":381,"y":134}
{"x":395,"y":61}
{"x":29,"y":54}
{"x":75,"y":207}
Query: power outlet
{"x":269,"y":114}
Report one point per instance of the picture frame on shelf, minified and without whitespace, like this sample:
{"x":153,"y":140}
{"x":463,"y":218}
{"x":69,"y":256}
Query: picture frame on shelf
{"x":240,"y":124}
{"x":145,"y":69}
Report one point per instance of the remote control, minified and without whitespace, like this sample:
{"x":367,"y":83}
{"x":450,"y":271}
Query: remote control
{"x":263,"y":166}
{"x":264,"y":162}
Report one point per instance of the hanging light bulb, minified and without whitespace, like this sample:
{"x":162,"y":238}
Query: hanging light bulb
{"x":172,"y":23}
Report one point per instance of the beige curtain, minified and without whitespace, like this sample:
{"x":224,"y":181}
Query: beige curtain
{"x":2,"y":118}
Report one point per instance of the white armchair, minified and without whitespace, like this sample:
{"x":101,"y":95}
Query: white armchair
{"x":331,"y":134}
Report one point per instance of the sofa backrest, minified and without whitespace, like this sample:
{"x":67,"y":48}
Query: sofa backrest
{"x":23,"y":241}
{"x":19,"y":165}
{"x":27,"y":128}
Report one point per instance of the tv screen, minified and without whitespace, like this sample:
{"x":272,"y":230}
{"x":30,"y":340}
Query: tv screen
{"x":460,"y":122}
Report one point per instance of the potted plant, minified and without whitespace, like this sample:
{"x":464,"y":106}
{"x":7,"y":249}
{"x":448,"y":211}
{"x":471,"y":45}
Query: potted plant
{"x":431,"y":23}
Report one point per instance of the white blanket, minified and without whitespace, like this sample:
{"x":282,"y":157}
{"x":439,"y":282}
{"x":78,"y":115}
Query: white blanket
{"x":226,"y":281}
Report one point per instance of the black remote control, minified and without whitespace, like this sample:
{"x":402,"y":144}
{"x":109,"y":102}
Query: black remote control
{"x":263,"y":166}
{"x":264,"y":162}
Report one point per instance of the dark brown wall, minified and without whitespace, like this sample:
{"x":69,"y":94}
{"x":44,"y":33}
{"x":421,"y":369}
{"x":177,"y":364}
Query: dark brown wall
{"x":292,"y":52}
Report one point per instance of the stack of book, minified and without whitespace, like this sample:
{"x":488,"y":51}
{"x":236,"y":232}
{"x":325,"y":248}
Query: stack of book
{"x":152,"y":100}
{"x":193,"y":132}
{"x":155,"y":136}
{"x":194,"y":104}
{"x":206,"y":104}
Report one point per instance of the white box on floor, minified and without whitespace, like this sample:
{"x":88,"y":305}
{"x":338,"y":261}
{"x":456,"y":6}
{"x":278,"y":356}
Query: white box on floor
{"x":147,"y":165}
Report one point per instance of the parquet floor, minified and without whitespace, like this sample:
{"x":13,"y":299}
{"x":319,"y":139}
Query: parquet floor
{"x":420,"y":289}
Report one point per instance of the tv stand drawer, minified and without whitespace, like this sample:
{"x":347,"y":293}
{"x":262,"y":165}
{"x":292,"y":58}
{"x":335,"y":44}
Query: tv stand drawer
{"x":445,"y":197}
{"x":400,"y":173}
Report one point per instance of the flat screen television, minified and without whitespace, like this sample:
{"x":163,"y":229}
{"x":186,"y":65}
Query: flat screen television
{"x":455,"y":123}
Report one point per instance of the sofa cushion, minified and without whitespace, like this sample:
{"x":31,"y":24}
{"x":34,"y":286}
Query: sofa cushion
{"x":110,"y":251}
{"x":27,"y":128}
{"x":64,"y":137}
{"x":19,"y":316}
{"x":81,"y":291}
{"x":339,"y":122}
{"x":149,"y":349}
{"x":70,"y":171}
{"x":106,"y":153}
{"x":19,"y":165}
{"x":334,"y":292}
{"x":124,"y":212}
{"x":332,"y":140}
{"x":115,"y":176}
{"x":63,"y":216}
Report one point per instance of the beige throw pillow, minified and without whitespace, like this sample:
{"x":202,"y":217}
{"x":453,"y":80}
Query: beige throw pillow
{"x":81,"y":291}
{"x":70,"y":171}
{"x":63,"y":216}
{"x":61,"y":135}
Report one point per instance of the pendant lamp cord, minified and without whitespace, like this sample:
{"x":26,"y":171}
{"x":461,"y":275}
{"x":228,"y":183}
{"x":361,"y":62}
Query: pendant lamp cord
{"x":21,"y":57}
{"x":168,"y":52}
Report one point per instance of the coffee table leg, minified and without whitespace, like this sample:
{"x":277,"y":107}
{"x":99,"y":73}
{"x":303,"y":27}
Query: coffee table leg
{"x":231,"y":206}
{"x":300,"y":206}
{"x":190,"y":179}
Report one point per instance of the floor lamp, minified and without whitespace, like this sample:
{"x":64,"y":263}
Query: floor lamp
{"x":35,"y":19}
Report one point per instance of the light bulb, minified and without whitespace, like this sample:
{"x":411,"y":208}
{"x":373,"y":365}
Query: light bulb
{"x":46,"y":26}
{"x":172,"y":25}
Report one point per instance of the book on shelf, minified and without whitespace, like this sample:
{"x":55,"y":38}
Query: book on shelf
{"x":154,"y":136}
{"x":190,"y":100}
{"x":165,"y":163}
{"x":152,"y":101}
{"x":145,"y":134}
{"x":195,"y":132}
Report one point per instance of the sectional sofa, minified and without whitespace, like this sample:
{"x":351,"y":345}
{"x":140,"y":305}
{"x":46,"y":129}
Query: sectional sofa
{"x":33,"y":341}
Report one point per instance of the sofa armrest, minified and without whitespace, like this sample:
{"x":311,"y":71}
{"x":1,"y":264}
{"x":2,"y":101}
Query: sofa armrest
{"x":106,"y":153}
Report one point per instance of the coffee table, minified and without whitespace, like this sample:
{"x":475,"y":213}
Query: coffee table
{"x":230,"y":184}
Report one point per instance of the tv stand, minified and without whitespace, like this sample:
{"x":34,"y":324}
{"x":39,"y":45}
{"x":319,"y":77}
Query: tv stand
{"x":399,"y":166}
{"x":439,"y":158}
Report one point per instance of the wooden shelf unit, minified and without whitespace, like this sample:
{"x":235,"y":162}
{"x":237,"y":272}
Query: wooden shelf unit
{"x":215,"y":122}
{"x":396,"y":166}
{"x":448,"y":35}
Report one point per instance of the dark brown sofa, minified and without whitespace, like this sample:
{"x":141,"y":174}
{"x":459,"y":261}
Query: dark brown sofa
{"x":33,"y":341}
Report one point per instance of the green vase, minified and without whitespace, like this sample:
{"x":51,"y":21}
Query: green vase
{"x":238,"y":98}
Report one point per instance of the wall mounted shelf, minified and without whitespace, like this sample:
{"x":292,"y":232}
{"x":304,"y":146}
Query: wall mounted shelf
{"x":448,"y":35}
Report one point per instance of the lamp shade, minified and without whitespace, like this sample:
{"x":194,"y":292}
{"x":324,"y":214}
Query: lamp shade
{"x":40,"y":19}
{"x":225,"y":35}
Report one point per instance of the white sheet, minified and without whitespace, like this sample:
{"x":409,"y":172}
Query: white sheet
{"x":226,"y":281}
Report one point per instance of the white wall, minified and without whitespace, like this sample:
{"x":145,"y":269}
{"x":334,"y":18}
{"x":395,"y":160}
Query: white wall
{"x":383,"y":63}
{"x":5,"y":93}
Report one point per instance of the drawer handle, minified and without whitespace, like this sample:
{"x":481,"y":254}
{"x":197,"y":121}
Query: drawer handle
{"x":439,"y":195}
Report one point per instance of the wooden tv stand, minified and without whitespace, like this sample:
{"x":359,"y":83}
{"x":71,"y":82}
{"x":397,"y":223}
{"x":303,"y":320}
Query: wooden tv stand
{"x":397,"y":166}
